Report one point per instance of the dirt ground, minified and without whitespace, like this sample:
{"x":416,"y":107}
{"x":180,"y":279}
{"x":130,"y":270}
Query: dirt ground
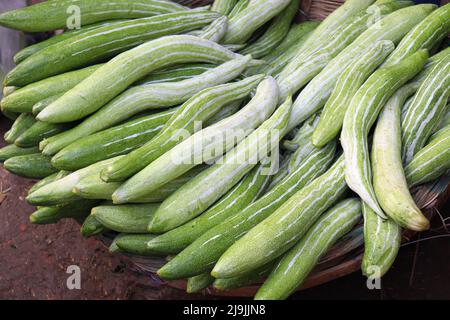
{"x":34,"y":260}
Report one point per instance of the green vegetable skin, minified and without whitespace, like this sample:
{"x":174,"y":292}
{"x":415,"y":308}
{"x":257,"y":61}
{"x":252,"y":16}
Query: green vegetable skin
{"x":49,"y":215}
{"x":200,"y":107}
{"x":120,"y":72}
{"x":40,"y":131}
{"x":278,"y":63}
{"x":144,"y":97}
{"x":240,"y":5}
{"x":424,"y":35}
{"x":92,"y":187}
{"x":347,"y":85}
{"x":426,"y":110}
{"x":255,"y":14}
{"x":125,"y":218}
{"x":393,"y":27}
{"x":256,"y":276}
{"x":60,"y":191}
{"x":15,"y":151}
{"x":198,"y":283}
{"x":223,"y":6}
{"x":296,"y":32}
{"x":176,"y":73}
{"x":53,"y":14}
{"x":198,"y":194}
{"x":23,"y":99}
{"x":298,"y":262}
{"x":331,"y":36}
{"x":111,"y":142}
{"x":91,"y":227}
{"x":216,"y":30}
{"x":47,"y":180}
{"x":203,"y":253}
{"x":20,"y":125}
{"x":382,"y":240}
{"x":203,"y":146}
{"x":432,"y":161}
{"x":277,"y":30}
{"x":41,"y":105}
{"x":104,"y":42}
{"x":389,"y":180}
{"x":284,"y":227}
{"x":35,"y":166}
{"x":243,"y":194}
{"x":30,"y":50}
{"x":134,"y":243}
{"x":361,"y":115}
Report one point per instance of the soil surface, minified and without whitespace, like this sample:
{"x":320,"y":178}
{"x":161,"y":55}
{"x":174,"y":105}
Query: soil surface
{"x":34,"y":260}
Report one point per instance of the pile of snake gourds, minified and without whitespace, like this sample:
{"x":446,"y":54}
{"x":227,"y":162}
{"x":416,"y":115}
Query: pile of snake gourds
{"x":124,"y":120}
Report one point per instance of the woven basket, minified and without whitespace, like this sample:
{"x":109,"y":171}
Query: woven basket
{"x":345,"y":257}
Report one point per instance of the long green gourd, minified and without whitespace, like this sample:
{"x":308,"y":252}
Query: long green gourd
{"x":176,"y":73}
{"x":275,"y":66}
{"x":51,"y":178}
{"x":91,"y":227}
{"x":60,"y":191}
{"x":199,"y":108}
{"x":198,"y":283}
{"x":111,"y":142}
{"x":134,"y":243}
{"x":120,"y":72}
{"x":277,"y":30}
{"x":256,"y":276}
{"x":389,"y":182}
{"x":223,"y":6}
{"x":303,"y":136}
{"x":20,"y":125}
{"x":203,"y":146}
{"x":40,"y":131}
{"x":254,"y":15}
{"x":23,"y":99}
{"x":7,"y":90}
{"x":303,"y":148}
{"x":216,"y":30}
{"x":49,"y":215}
{"x":144,"y":97}
{"x":425,"y":35}
{"x":33,"y":166}
{"x":41,"y":105}
{"x":198,"y":194}
{"x":298,"y":262}
{"x":432,"y":161}
{"x":102,"y":43}
{"x":92,"y":187}
{"x":362,"y":114}
{"x":347,"y":85}
{"x":284,"y":227}
{"x":12,"y":150}
{"x":295,"y":33}
{"x":203,"y":253}
{"x":392,"y":27}
{"x":30,"y":50}
{"x":243,"y":194}
{"x":224,"y":113}
{"x":337,"y":31}
{"x":382,"y":240}
{"x":126,"y":218}
{"x":52,"y":15}
{"x":240,"y":5}
{"x":426,"y":110}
